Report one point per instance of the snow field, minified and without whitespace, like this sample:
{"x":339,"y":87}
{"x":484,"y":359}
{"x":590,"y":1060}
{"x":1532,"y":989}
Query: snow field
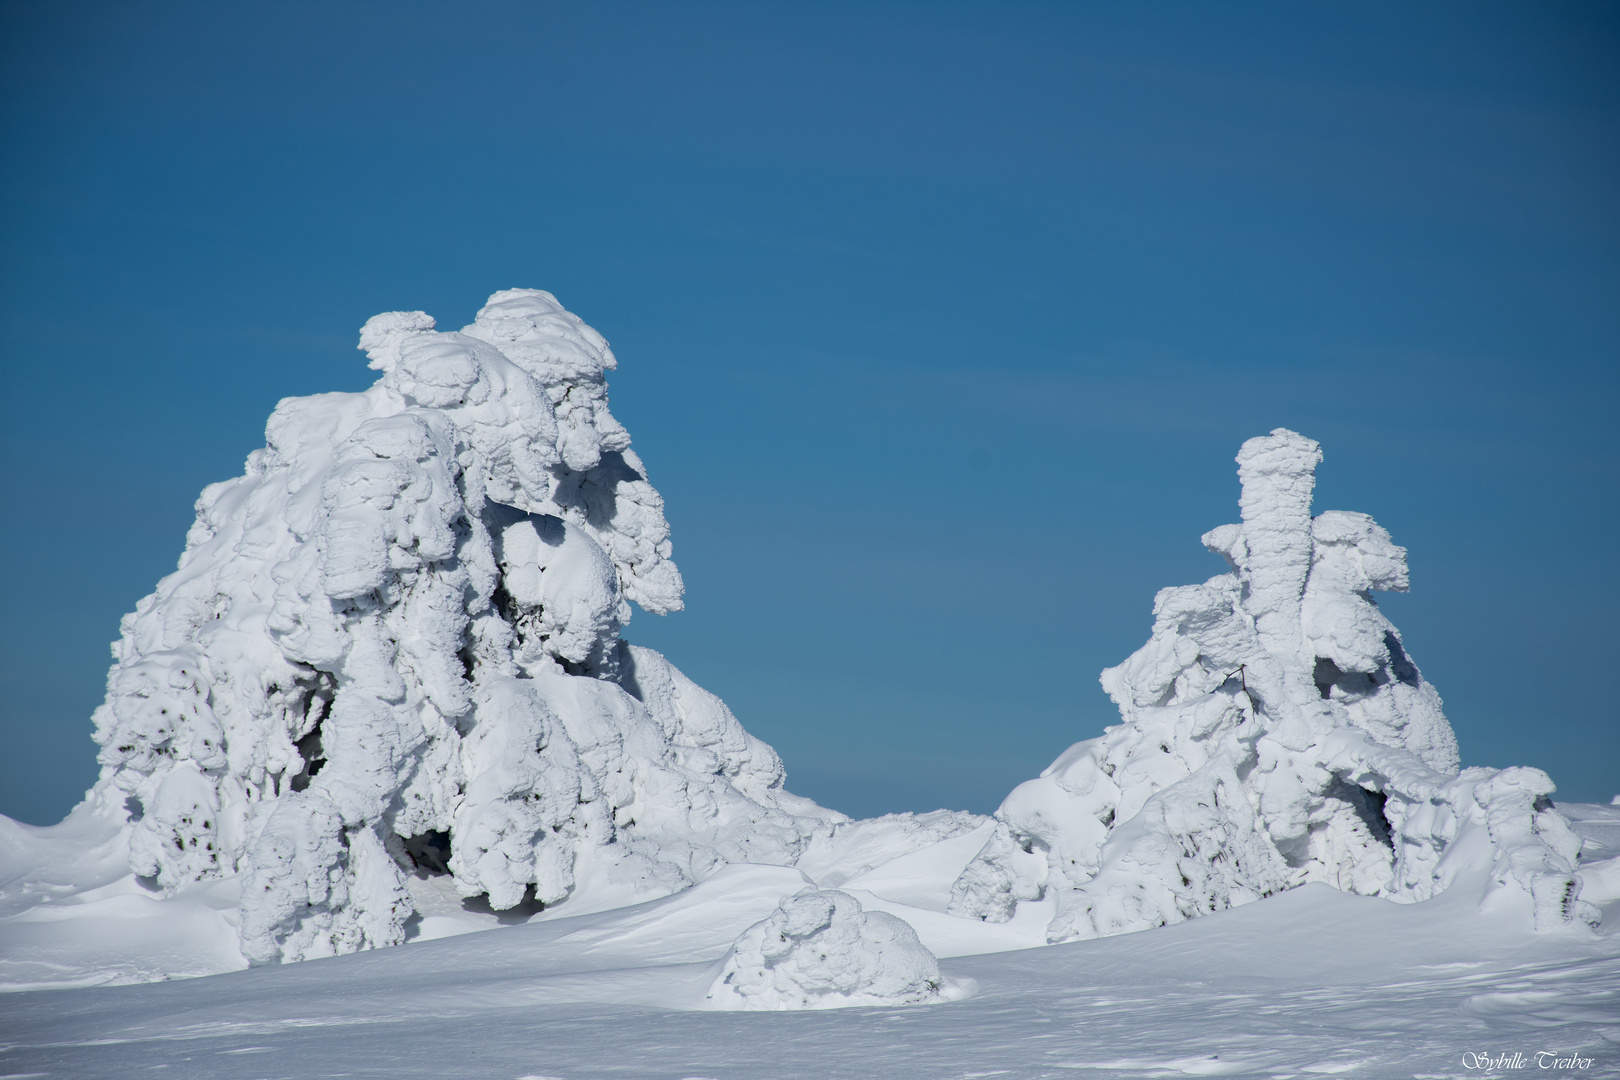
{"x":1310,"y":982}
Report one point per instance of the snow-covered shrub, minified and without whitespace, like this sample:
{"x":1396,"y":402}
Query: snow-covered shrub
{"x":393,"y":646}
{"x":819,"y":950}
{"x":1275,"y":732}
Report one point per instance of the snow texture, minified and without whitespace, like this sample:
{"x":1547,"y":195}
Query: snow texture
{"x":820,"y":950}
{"x":1275,"y":732}
{"x":392,"y":649}
{"x":1312,"y":982}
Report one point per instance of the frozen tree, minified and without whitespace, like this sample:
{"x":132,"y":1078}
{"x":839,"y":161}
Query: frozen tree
{"x":393,"y":646}
{"x":1274,"y":732}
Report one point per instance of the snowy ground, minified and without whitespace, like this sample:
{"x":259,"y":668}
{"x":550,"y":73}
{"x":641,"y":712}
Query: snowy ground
{"x":1310,"y":982}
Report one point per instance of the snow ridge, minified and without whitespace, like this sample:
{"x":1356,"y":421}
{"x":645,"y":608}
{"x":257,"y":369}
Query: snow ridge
{"x":392,"y":648}
{"x":1275,"y":732}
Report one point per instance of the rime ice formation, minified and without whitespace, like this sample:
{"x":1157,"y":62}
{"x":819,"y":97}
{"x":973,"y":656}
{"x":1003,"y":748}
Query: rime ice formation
{"x":1275,"y":732}
{"x":392,"y":648}
{"x":820,"y":950}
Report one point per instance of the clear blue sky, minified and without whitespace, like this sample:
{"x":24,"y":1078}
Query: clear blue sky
{"x":939,"y":326}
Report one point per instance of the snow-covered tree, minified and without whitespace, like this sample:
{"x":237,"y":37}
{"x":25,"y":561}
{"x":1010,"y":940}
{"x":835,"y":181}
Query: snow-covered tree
{"x":393,"y":646}
{"x":1275,"y":732}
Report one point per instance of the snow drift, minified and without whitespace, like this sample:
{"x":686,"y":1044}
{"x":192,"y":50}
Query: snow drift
{"x":392,"y":647}
{"x":1275,"y":732}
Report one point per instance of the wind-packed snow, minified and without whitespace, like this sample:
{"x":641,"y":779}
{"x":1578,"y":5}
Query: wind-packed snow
{"x":1275,"y":733}
{"x":1311,"y":982}
{"x":386,"y":700}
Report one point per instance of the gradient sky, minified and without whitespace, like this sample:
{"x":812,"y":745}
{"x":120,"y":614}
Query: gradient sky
{"x":939,"y":326}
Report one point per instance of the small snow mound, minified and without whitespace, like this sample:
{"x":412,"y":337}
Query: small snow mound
{"x":819,"y":950}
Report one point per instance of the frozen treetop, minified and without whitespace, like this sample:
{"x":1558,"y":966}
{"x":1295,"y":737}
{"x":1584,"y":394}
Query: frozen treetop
{"x":1305,"y":585}
{"x":526,"y":383}
{"x":392,"y":650}
{"x":1274,"y":732}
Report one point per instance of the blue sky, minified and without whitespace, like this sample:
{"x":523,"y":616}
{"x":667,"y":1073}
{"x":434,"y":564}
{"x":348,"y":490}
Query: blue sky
{"x":939,"y":326}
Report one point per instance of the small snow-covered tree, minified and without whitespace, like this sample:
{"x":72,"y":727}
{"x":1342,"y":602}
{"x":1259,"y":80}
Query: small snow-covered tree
{"x":394,"y":645}
{"x":1274,"y":732}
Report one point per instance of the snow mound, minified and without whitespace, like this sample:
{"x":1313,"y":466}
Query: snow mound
{"x":392,"y":650}
{"x":819,"y":950}
{"x":1275,"y":733}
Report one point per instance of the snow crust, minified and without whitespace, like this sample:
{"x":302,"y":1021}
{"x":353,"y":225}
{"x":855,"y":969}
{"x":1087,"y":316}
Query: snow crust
{"x":820,"y":950}
{"x":1275,"y":732}
{"x":392,"y":649}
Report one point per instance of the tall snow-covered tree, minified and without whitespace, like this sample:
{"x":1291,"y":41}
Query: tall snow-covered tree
{"x":1275,"y":731}
{"x":393,"y":647}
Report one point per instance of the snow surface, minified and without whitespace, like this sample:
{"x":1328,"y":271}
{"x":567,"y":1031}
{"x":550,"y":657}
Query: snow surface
{"x":385,"y":700}
{"x":1309,"y":982}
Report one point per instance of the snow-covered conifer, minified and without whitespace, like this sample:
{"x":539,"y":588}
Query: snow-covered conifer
{"x":1274,"y":732}
{"x":393,"y":647}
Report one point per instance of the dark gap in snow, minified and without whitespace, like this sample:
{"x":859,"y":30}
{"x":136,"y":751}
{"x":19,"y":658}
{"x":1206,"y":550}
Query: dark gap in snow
{"x":1352,"y":685}
{"x":525,"y":622}
{"x":429,"y":852}
{"x":322,"y":691}
{"x":521,"y":912}
{"x":1357,"y":684}
{"x":1377,"y":802}
{"x":614,"y":469}
{"x":1400,"y":663}
{"x":1369,"y":807}
{"x":309,"y":748}
{"x":627,"y":670}
{"x":502,"y":602}
{"x":134,"y":808}
{"x":1379,"y":821}
{"x":1327,"y":673}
